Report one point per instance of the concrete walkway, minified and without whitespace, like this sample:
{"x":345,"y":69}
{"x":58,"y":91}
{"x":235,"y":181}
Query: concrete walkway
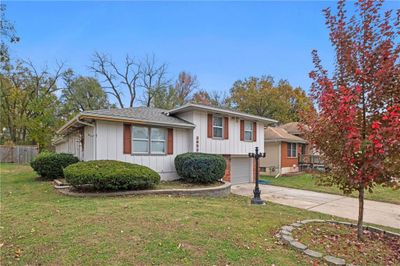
{"x":374,"y":212}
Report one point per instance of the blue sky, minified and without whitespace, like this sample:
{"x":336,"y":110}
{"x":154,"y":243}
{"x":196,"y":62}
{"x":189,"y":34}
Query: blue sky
{"x":220,"y":42}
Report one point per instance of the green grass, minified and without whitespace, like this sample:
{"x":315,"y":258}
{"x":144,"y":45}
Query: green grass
{"x":40,"y":226}
{"x":308,"y":182}
{"x":181,"y":184}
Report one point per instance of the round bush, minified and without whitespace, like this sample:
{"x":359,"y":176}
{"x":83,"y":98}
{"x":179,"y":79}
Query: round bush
{"x":200,"y":167}
{"x":111,"y":175}
{"x":49,"y":165}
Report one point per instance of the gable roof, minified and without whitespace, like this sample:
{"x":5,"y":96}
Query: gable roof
{"x":276,"y":134}
{"x":203,"y":107}
{"x":292,"y":128}
{"x":142,"y":115}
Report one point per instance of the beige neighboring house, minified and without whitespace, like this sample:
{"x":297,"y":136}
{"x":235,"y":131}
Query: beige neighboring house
{"x":282,"y":149}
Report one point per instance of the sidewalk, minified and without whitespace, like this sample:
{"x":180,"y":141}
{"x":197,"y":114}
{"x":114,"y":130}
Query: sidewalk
{"x":381,"y":213}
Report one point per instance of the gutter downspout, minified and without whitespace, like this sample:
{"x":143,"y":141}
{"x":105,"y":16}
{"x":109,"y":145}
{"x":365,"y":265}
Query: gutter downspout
{"x":279,"y":160}
{"x":84,"y":123}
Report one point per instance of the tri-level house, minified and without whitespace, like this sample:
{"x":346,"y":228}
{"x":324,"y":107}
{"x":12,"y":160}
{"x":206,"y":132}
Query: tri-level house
{"x":154,"y":137}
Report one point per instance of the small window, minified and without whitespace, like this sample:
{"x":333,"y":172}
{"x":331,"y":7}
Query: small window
{"x":303,"y":149}
{"x":263,"y":169}
{"x":248,"y":131}
{"x":158,"y":141}
{"x":140,"y":139}
{"x":292,"y":150}
{"x":149,"y":140}
{"x":218,"y":127}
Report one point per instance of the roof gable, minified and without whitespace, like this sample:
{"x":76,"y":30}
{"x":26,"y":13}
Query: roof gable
{"x":273,"y":134}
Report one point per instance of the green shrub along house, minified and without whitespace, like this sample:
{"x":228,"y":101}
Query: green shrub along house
{"x":111,"y":175}
{"x":200,"y":167}
{"x":50,"y":165}
{"x":154,"y":137}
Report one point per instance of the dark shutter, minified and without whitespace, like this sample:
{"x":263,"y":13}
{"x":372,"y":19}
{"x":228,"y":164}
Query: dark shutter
{"x":242,"y":130}
{"x":226,"y":127}
{"x":254,"y":131}
{"x":170,"y":141}
{"x":209,"y":125}
{"x":127,"y":139}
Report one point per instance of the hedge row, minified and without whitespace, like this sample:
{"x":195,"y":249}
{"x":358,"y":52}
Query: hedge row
{"x":200,"y":167}
{"x":111,"y":175}
{"x":50,"y":165}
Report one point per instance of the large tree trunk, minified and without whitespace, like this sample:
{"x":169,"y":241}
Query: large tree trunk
{"x":360,"y":230}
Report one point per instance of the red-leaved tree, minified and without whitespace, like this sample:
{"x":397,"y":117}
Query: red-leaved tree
{"x":357,"y":124}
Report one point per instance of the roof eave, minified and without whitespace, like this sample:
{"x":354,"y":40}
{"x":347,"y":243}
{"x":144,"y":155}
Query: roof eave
{"x":139,"y":121}
{"x":120,"y":119}
{"x":286,"y":140}
{"x":190,"y":107}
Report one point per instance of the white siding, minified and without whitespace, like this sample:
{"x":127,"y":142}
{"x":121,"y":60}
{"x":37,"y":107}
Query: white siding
{"x":233,"y":145}
{"x":109,"y":144}
{"x":89,"y":142}
{"x":71,"y":144}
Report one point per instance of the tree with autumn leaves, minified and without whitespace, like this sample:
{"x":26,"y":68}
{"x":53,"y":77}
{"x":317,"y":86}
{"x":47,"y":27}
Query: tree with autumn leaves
{"x":357,"y":126}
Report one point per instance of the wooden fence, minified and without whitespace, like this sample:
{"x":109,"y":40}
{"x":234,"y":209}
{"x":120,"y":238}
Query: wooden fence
{"x":18,"y":154}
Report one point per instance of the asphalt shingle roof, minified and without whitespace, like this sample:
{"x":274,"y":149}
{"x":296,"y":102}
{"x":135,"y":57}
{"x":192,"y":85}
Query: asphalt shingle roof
{"x":139,"y":113}
{"x":280,"y":134}
{"x":292,"y":128}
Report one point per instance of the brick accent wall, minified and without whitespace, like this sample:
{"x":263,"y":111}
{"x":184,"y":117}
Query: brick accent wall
{"x":227,"y":176}
{"x":285,"y":161}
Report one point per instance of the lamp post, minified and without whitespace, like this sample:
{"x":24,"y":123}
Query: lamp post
{"x":257,"y":192}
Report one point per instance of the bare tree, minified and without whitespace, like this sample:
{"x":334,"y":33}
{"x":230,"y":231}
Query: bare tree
{"x":153,"y":79}
{"x":184,"y":86}
{"x":118,"y":79}
{"x":8,"y":34}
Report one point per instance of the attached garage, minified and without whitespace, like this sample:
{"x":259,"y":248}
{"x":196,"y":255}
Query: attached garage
{"x":241,"y":170}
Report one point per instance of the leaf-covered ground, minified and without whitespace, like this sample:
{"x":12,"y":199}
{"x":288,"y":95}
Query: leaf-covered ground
{"x":341,"y":241}
{"x":309,"y":182}
{"x":41,"y":227}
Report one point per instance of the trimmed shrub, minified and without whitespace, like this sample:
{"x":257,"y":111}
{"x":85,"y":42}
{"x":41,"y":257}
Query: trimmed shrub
{"x":111,"y":175}
{"x":200,"y":167}
{"x":49,"y":165}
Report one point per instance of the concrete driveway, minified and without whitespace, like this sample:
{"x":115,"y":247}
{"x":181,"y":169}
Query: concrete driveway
{"x":374,"y":212}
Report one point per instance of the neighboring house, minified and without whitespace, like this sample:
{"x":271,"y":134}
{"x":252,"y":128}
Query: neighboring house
{"x":153,"y":137}
{"x":293,"y":128}
{"x":282,"y":150}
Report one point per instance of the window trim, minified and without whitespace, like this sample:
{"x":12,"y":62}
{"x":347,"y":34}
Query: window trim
{"x":244,"y":131}
{"x":149,"y":141}
{"x":214,"y":126}
{"x":289,"y":144}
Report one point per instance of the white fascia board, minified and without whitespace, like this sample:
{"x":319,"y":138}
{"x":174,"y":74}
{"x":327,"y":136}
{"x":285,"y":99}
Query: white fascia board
{"x":121,"y":119}
{"x":189,"y":107}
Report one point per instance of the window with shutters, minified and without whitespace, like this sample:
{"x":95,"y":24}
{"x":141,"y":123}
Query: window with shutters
{"x":149,"y":140}
{"x":248,"y":131}
{"x":218,"y":127}
{"x":157,"y":141}
{"x":292,"y":150}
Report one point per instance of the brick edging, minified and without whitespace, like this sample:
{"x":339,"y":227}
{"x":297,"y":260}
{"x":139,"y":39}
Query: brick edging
{"x":220,"y":191}
{"x":285,"y":235}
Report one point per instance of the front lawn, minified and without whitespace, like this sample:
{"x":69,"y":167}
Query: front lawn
{"x":180,"y":184}
{"x":308,"y":182}
{"x":40,"y":226}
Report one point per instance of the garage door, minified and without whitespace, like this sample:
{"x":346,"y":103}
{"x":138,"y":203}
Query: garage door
{"x":240,"y":170}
